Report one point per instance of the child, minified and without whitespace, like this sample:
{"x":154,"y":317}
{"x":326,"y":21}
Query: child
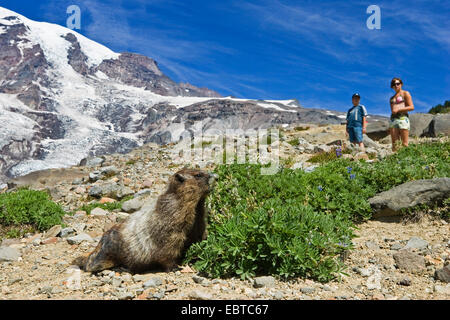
{"x":356,"y":122}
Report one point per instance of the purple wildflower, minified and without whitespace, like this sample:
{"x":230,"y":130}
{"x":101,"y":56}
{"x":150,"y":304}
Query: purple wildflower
{"x":349,"y":169}
{"x":320,"y":188}
{"x":338,"y":152}
{"x":352,"y":176}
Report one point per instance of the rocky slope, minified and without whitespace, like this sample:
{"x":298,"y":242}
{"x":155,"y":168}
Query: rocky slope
{"x":38,"y":265}
{"x":64,"y":97}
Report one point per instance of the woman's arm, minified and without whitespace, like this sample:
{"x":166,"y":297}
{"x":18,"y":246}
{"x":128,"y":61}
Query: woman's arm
{"x":409,"y":105}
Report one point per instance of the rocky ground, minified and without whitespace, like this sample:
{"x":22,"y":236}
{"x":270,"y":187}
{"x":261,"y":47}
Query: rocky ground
{"x":391,"y":260}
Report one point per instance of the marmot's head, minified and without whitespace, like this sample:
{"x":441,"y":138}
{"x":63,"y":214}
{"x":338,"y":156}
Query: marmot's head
{"x":192,"y":183}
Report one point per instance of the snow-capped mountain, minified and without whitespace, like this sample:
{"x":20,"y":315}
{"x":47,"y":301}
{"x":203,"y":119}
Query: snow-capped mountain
{"x":64,"y":97}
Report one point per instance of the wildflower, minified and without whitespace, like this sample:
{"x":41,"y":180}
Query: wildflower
{"x":320,"y":188}
{"x":427,"y":168}
{"x":338,"y":152}
{"x":349,"y":169}
{"x":352,"y":176}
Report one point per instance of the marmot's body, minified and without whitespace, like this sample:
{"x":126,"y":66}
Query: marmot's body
{"x":160,"y":235}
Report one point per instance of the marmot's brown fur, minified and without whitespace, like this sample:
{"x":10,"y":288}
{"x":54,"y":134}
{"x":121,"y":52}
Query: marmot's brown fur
{"x":157,"y":236}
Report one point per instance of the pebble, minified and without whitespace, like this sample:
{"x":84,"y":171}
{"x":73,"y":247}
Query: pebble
{"x":9,"y":254}
{"x":405,"y":282}
{"x":159,"y":295}
{"x":372,"y":245}
{"x":197,"y":279}
{"x":416,"y":243}
{"x":80,"y":238}
{"x":266,"y":281}
{"x":66,"y":232}
{"x":200,"y":295}
{"x":308,"y":290}
{"x":126,"y":295}
{"x":442,"y":289}
{"x":99,"y":212}
{"x":153,"y":282}
{"x":396,"y":246}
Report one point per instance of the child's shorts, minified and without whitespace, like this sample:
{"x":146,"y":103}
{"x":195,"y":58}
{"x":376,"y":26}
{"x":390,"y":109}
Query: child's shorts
{"x":401,"y":123}
{"x":355,"y":134}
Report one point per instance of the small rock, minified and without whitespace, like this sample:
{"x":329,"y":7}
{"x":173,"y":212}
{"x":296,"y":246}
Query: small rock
{"x":200,"y":295}
{"x":45,"y":290}
{"x":405,"y":282}
{"x":126,"y":296}
{"x":106,"y":200}
{"x":49,"y":240}
{"x":396,"y":246}
{"x":79,"y":238}
{"x":117,"y":281}
{"x":372,"y":245}
{"x":153,"y":282}
{"x":66,"y":232}
{"x":197,"y":279}
{"x":416,"y":243}
{"x":160,"y":294}
{"x":9,"y":254}
{"x":52,"y":232}
{"x":443,"y":274}
{"x":442,"y":289}
{"x":99,"y":212}
{"x":266,"y":281}
{"x":139,"y":277}
{"x":307,"y":290}
{"x":409,"y":261}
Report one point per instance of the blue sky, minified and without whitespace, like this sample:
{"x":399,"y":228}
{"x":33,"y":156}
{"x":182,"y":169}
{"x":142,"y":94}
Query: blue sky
{"x":319,"y":52}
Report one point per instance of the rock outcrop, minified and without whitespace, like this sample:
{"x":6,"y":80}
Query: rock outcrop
{"x":408,"y":195}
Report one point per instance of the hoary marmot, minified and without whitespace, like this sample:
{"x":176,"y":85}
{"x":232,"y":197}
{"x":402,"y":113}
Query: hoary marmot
{"x":159,"y":235}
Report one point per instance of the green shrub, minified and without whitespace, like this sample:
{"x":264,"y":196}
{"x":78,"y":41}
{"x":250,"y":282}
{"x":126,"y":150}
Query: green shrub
{"x":29,"y":207}
{"x":294,"y":142}
{"x":295,"y":223}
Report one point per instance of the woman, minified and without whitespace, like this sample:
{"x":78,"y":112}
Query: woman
{"x":401,"y":103}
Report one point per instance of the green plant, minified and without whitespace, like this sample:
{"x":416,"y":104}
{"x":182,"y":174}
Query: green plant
{"x":29,"y":207}
{"x":298,"y":224}
{"x":294,"y":142}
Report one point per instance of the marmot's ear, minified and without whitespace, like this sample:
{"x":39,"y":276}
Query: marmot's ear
{"x":180,"y":177}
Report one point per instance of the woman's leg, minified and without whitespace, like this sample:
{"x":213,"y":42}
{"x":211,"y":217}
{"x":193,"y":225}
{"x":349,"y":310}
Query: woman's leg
{"x":404,"y":135}
{"x":394,"y":136}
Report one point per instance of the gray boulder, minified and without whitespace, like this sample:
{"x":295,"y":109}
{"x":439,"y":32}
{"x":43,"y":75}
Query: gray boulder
{"x":408,"y":195}
{"x":440,"y":125}
{"x":377,"y":130}
{"x":368,"y":142}
{"x":419,"y":124}
{"x":92,"y":161}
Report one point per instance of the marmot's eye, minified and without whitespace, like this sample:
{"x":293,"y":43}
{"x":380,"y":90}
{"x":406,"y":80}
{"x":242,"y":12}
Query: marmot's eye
{"x":198,"y":175}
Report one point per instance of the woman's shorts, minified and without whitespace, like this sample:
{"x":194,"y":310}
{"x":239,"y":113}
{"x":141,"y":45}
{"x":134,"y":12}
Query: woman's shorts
{"x":355,"y":134}
{"x":401,"y":123}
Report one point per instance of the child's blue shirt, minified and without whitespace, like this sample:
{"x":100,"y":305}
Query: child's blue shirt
{"x":355,"y":116}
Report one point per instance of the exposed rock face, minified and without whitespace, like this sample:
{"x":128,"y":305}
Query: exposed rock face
{"x":410,"y":194}
{"x":419,"y":124}
{"x":440,"y":125}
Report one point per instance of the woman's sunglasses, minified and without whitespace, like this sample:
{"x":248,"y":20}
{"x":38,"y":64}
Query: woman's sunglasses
{"x":397,"y":84}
